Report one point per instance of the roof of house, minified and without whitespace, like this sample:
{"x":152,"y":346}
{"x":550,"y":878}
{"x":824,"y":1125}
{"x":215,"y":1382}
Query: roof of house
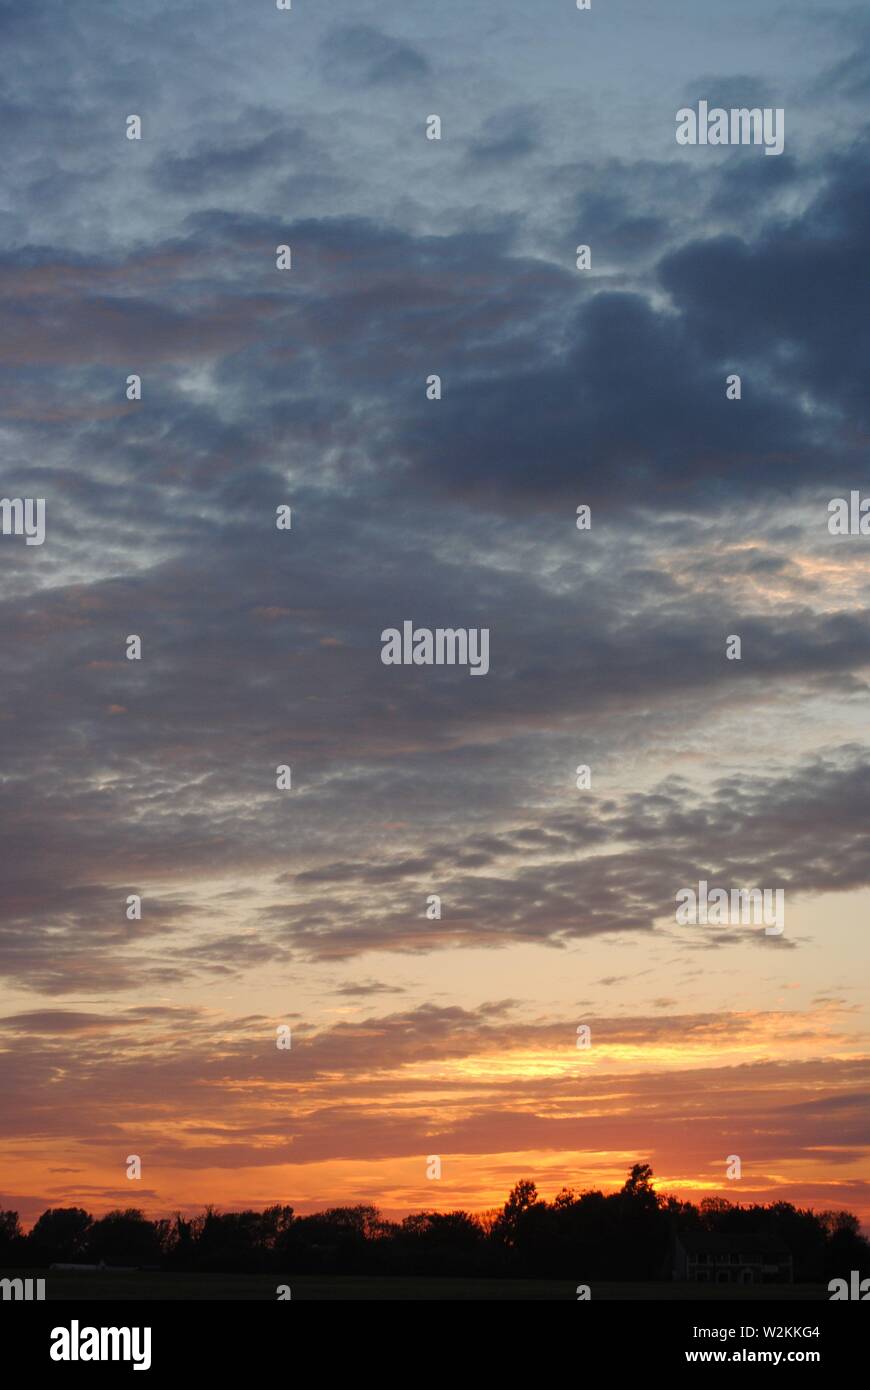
{"x":704,"y":1243}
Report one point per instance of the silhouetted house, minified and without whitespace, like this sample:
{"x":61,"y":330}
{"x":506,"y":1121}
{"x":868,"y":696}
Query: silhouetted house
{"x":748,"y":1259}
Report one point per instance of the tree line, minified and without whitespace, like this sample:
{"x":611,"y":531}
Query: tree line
{"x":626,"y":1235}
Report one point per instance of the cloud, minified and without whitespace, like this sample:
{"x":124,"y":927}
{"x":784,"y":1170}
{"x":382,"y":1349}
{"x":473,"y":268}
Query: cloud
{"x":814,"y":826}
{"x":366,"y":56}
{"x":458,"y":1085}
{"x":261,"y":647}
{"x":363,"y":989}
{"x":505,"y":137}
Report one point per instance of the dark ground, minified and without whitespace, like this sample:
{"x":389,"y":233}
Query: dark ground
{"x":103,"y":1284}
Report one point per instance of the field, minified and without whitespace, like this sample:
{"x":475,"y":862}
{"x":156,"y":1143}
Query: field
{"x":136,"y":1286}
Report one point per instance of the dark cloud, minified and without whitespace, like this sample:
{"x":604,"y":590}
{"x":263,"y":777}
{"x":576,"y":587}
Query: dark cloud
{"x":777,"y":310}
{"x":805,"y":834}
{"x":506,"y":136}
{"x":365,"y":988}
{"x":364,"y":55}
{"x":213,"y":166}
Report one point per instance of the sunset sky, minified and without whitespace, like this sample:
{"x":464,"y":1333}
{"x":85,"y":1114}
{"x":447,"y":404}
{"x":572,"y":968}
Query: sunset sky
{"x":260,"y":647}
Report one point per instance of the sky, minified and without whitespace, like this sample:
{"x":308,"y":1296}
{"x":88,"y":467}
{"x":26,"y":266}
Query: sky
{"x":412,"y":1036}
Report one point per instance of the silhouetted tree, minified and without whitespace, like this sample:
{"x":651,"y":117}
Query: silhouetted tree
{"x":587,"y":1236}
{"x":846,"y":1248}
{"x":10,"y":1228}
{"x":638,"y":1186}
{"x":61,"y":1233}
{"x":13,"y":1248}
{"x":432,"y":1242}
{"x":520,"y":1199}
{"x":339,"y":1239}
{"x":126,"y":1235}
